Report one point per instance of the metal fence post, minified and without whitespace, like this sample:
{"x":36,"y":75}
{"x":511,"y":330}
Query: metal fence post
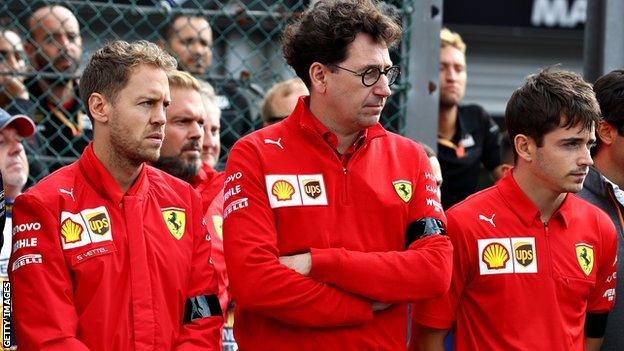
{"x":421,"y":117}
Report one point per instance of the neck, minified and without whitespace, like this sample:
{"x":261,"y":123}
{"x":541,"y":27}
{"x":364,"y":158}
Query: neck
{"x":346,"y":137}
{"x":604,"y":163}
{"x":11,"y":191}
{"x":546,"y":200}
{"x":124,"y":171}
{"x":447,"y":121}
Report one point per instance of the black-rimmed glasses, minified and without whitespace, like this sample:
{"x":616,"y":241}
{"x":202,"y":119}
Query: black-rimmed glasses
{"x":372,"y":74}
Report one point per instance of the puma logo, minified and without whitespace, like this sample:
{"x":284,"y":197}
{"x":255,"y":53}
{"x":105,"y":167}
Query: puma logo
{"x":489,"y":220}
{"x":278,"y":142}
{"x":69,"y":192}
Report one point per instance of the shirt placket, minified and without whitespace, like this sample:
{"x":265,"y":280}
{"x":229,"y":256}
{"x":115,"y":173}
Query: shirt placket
{"x":141,"y":287}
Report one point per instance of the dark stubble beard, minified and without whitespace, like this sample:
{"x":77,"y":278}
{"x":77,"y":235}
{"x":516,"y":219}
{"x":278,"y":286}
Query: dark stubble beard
{"x":179,"y":168}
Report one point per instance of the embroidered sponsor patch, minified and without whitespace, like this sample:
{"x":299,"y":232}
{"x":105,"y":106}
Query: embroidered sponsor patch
{"x":312,"y":189}
{"x":287,"y":190}
{"x":507,"y":255}
{"x":26,"y":227}
{"x":585,"y":257}
{"x":26,"y":260}
{"x":403,"y":188}
{"x":91,"y":225}
{"x":175,"y":219}
{"x":524,"y":255}
{"x":235,"y":206}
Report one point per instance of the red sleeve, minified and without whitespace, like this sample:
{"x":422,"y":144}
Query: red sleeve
{"x":421,"y":271}
{"x":45,"y":316}
{"x":201,"y":333}
{"x":602,"y":296}
{"x":440,"y":312}
{"x":257,"y":280}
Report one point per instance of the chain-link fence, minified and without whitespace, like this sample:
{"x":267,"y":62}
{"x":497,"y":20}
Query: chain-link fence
{"x":39,"y":79}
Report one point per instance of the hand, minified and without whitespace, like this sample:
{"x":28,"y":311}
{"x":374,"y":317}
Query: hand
{"x":301,"y":263}
{"x":380,"y":306}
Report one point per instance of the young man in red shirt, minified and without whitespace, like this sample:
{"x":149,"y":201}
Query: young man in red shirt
{"x":331,"y":223}
{"x":534,"y":266}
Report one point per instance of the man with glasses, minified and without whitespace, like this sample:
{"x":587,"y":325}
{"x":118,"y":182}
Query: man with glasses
{"x":467,"y":136}
{"x":604,"y":182}
{"x":331,"y":223}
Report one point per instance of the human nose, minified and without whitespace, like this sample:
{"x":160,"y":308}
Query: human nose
{"x":159,"y":117}
{"x":382,"y":88}
{"x":585,"y":158}
{"x":16,"y":147}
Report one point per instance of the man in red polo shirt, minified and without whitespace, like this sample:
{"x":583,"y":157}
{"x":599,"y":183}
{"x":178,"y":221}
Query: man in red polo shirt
{"x":534,"y":266}
{"x":331,"y":223}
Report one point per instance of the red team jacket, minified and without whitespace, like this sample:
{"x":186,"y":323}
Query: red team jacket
{"x":287,"y":192}
{"x":209,"y":183}
{"x":520,"y":284}
{"x":95,"y":269}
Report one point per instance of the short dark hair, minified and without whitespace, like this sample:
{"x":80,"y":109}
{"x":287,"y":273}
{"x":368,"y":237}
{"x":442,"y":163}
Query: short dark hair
{"x":324,"y":31}
{"x":109,"y":68}
{"x":167,"y":31}
{"x":609,"y":90}
{"x":550,"y":99}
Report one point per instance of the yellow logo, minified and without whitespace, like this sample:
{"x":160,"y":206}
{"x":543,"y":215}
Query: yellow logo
{"x":403,"y":188}
{"x":175,"y":219}
{"x":495,"y":256}
{"x":217,"y":221}
{"x":282,"y":190}
{"x":99,"y":223}
{"x":585,"y":257}
{"x":71,"y":231}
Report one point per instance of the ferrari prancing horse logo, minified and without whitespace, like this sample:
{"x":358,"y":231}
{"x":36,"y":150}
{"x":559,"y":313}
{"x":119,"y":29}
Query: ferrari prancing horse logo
{"x":403,"y":188}
{"x":585,"y":257}
{"x":175,"y":219}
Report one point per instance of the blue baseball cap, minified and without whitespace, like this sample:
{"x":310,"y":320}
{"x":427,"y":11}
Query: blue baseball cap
{"x":22,"y":123}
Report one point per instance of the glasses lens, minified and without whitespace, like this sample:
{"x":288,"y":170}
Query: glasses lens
{"x":371,"y":76}
{"x":393,"y":75}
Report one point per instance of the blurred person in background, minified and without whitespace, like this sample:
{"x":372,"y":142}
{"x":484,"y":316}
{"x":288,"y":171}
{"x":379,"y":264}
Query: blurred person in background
{"x":467,"y":136}
{"x":14,"y":171}
{"x":12,"y":66}
{"x":54,"y":48}
{"x":211,"y":146}
{"x":189,"y":38}
{"x":281,"y":99}
{"x":604,"y":183}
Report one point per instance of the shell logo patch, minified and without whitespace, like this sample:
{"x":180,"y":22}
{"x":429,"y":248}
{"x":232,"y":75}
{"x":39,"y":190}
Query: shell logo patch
{"x":71,"y":231}
{"x":495,"y":256}
{"x":175,"y":219}
{"x":403,"y":188}
{"x":283,"y":190}
{"x":585,"y":257}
